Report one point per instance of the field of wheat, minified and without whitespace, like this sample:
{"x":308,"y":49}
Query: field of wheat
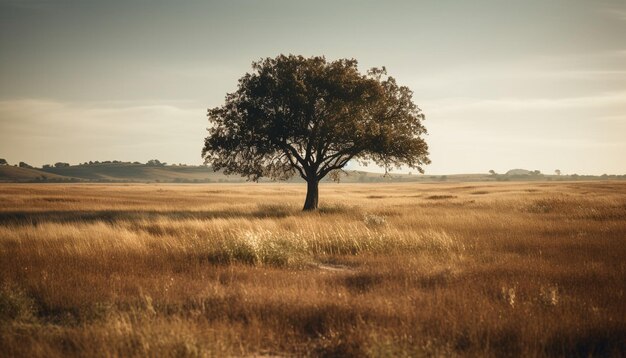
{"x":455,"y":269}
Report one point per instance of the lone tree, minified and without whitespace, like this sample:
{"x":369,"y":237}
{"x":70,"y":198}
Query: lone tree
{"x":309,"y":116}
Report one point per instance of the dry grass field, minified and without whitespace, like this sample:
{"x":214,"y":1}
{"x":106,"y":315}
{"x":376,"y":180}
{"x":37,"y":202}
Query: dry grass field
{"x":454,"y":269}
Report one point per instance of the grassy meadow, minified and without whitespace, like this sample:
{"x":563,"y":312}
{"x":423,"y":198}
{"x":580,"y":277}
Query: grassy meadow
{"x":447,"y":269}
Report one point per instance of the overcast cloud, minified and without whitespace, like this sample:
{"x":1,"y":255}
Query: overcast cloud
{"x":504,"y":84}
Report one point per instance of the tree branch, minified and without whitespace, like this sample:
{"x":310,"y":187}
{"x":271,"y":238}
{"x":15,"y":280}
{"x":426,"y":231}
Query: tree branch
{"x":295,"y":164}
{"x":337,"y":164}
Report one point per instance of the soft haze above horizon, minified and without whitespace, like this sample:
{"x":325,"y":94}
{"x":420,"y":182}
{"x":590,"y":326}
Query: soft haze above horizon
{"x":537,"y":84}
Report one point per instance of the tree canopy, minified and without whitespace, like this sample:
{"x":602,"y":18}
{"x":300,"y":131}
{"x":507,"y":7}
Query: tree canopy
{"x":295,"y":115}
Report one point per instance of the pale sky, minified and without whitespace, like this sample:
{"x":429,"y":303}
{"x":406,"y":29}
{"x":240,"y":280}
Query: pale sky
{"x":534,"y":84}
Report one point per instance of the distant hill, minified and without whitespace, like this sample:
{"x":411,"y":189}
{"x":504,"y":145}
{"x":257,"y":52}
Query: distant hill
{"x":10,"y":173}
{"x":518,"y":172}
{"x":136,"y":172}
{"x":121,"y":172}
{"x":114,"y":172}
{"x":140,"y":172}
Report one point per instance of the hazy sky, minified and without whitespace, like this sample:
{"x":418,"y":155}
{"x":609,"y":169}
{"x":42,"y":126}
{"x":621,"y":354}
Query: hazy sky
{"x":535,"y":84}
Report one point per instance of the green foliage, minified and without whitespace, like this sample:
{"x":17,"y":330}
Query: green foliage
{"x":308,"y":116}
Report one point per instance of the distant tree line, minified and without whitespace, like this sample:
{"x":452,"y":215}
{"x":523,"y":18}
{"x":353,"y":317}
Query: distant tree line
{"x":520,"y":174}
{"x":150,"y":163}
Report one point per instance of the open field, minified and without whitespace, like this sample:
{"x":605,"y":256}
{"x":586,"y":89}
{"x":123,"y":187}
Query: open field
{"x":480,"y":269}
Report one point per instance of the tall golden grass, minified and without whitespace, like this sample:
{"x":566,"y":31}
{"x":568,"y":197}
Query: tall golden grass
{"x":528,"y":269}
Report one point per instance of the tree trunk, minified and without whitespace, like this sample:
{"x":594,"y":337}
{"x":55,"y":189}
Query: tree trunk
{"x":312,"y":192}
